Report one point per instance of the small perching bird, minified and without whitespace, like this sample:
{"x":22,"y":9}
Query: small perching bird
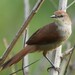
{"x":46,"y":38}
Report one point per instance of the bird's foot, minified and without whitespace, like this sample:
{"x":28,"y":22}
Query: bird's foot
{"x":53,"y":67}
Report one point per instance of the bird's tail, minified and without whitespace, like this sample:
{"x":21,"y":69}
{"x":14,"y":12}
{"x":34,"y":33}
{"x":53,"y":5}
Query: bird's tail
{"x":18,"y":56}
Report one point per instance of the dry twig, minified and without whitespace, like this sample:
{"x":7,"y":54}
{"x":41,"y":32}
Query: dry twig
{"x":67,"y":52}
{"x":25,"y":38}
{"x":24,"y":67}
{"x":34,"y":11}
{"x":69,"y":61}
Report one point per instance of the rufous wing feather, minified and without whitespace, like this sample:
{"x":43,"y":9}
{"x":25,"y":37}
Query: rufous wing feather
{"x":45,"y":35}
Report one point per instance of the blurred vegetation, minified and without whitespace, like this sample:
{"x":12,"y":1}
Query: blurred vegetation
{"x":12,"y":18}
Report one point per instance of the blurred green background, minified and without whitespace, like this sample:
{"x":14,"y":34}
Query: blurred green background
{"x":12,"y":18}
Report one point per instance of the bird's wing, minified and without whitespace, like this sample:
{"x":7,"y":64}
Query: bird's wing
{"x":45,"y":35}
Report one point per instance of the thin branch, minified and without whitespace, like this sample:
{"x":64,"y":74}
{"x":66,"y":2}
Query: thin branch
{"x":64,"y":60}
{"x":63,"y":4}
{"x":25,"y":38}
{"x":25,"y":59}
{"x":34,"y":11}
{"x":70,"y":4}
{"x":63,"y":66}
{"x":67,"y":52}
{"x":69,"y":61}
{"x":57,"y":60}
{"x":24,"y":67}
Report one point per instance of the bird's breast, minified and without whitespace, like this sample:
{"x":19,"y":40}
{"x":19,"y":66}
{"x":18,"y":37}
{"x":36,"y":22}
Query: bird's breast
{"x":65,"y":31}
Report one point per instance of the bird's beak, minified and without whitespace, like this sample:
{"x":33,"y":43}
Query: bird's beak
{"x":53,"y":16}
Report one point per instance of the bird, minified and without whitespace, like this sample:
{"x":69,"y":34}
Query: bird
{"x":46,"y":38}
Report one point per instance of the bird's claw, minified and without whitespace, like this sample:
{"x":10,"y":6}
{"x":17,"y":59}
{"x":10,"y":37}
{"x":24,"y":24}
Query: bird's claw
{"x":57,"y":69}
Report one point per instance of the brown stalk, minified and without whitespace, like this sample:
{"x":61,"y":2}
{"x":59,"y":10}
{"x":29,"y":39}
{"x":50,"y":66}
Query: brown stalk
{"x":13,"y":42}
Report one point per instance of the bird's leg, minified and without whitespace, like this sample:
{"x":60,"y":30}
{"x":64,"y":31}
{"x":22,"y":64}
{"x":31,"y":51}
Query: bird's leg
{"x":57,"y":69}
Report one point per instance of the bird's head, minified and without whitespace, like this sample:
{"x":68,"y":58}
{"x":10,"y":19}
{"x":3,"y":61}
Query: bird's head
{"x":61,"y":17}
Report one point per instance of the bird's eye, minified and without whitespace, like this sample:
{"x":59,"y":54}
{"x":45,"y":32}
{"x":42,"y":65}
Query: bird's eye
{"x":60,"y":16}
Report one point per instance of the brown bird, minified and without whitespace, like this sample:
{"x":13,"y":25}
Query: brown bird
{"x":46,"y":38}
